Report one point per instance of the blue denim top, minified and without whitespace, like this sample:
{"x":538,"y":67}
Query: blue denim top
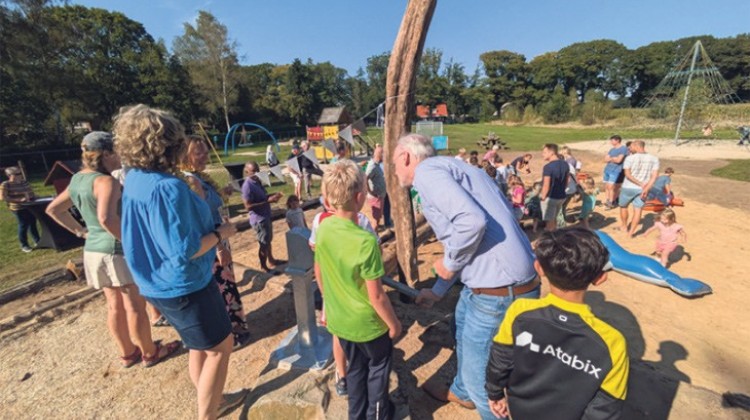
{"x":163,"y":222}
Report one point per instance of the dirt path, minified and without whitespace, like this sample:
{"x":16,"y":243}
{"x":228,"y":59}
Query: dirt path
{"x":68,"y":368}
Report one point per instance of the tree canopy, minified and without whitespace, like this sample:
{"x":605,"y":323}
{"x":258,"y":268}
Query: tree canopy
{"x":63,"y":64}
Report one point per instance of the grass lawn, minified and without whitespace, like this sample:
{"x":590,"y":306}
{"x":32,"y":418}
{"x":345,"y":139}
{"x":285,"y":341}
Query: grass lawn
{"x":738,"y":170}
{"x":17,"y":267}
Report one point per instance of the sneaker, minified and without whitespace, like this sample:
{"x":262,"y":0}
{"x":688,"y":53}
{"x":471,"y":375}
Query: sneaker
{"x":341,"y":389}
{"x":230,"y":401}
{"x":26,"y":249}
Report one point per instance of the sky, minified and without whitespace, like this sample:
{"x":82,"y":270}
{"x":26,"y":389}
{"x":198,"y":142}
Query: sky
{"x":347,"y":32}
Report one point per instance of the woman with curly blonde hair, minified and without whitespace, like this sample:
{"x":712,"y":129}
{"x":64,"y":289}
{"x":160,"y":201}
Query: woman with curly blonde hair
{"x":169,"y":238}
{"x":96,"y":195}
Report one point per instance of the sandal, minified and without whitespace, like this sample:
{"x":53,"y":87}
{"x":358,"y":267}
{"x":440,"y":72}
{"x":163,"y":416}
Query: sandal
{"x":161,"y":322}
{"x":158,"y":356}
{"x":132,"y":359}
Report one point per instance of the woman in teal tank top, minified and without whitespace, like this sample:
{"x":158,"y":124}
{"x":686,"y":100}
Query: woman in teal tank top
{"x":96,"y":195}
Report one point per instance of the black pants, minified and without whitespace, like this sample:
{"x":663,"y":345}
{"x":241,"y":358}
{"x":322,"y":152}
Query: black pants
{"x":26,"y":223}
{"x":387,"y":212}
{"x":367,"y":378}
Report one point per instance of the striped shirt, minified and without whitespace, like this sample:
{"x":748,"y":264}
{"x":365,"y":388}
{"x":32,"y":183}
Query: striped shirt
{"x":13,"y":192}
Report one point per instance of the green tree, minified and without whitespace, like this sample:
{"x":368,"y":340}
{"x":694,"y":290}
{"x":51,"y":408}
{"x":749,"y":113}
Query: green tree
{"x":544,"y":76}
{"x":211,"y":59}
{"x":507,"y":74}
{"x":557,"y":108}
{"x":377,"y":71}
{"x":432,"y":86}
{"x":593,"y":65}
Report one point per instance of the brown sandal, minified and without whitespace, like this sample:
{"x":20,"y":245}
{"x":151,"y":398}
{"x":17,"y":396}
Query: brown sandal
{"x":169,"y":349}
{"x":132,"y":359}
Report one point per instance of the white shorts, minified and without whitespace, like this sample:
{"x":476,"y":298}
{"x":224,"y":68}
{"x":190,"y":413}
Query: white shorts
{"x":106,"y":270}
{"x":296,"y":178}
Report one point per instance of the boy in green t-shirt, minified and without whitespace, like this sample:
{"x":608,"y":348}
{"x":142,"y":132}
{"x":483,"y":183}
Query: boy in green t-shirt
{"x":358,"y":312}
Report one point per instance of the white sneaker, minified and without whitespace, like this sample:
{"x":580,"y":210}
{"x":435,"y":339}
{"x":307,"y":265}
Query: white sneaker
{"x":26,"y":249}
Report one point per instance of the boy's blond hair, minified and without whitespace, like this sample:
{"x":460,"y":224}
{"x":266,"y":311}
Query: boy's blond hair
{"x":341,"y":183}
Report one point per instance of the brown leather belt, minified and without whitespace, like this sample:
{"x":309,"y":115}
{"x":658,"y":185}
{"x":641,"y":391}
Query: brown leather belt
{"x":505,"y":290}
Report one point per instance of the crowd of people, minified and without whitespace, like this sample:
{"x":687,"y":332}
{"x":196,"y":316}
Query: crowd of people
{"x":159,"y":238}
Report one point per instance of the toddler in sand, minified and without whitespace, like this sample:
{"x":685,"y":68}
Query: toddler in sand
{"x":670,"y":233}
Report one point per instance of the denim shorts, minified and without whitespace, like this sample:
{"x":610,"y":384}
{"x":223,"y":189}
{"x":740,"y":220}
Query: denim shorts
{"x":628,"y":195}
{"x":200,"y":317}
{"x":611,"y":175}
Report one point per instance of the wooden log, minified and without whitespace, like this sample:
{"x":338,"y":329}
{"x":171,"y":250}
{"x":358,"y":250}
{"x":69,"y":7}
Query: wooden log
{"x":399,"y":110}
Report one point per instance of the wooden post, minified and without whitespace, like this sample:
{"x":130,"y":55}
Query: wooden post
{"x":399,"y":109}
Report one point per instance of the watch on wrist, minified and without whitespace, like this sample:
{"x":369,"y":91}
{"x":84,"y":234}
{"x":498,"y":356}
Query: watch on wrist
{"x":218,"y":235}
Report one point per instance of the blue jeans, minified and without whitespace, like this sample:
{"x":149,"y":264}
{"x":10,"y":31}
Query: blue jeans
{"x":26,"y":223}
{"x":478,"y":318}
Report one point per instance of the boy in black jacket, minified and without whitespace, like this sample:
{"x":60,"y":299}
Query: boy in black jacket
{"x":552,"y":358}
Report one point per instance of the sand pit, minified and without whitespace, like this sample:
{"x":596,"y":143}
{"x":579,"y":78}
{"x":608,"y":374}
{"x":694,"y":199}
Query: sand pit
{"x":68,"y":368}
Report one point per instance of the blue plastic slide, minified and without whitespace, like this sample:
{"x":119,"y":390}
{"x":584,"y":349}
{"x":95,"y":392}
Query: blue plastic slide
{"x":643,"y":268}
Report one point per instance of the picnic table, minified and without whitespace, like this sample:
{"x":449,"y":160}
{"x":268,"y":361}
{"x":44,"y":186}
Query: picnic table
{"x":491,"y":140}
{"x":52,"y":234}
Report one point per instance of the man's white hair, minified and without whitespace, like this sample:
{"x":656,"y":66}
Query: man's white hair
{"x":417,"y":145}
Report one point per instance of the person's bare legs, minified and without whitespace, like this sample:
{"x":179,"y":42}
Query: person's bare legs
{"x":609,"y":189}
{"x":153,"y":313}
{"x":117,"y":321}
{"x":138,"y":321}
{"x":624,"y":219}
{"x":298,"y":189}
{"x":637,"y":211}
{"x":196,"y":358}
{"x":213,"y":375}
{"x":664,"y":257}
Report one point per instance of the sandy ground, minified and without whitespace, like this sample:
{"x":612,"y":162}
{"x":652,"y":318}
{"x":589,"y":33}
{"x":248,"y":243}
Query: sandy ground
{"x":68,"y":367}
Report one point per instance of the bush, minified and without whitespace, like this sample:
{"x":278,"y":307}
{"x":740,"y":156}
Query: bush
{"x":511,"y":112}
{"x":557,"y":109}
{"x":530,"y":115}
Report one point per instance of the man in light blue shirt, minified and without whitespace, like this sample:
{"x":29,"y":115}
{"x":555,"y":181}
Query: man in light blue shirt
{"x":483,"y":243}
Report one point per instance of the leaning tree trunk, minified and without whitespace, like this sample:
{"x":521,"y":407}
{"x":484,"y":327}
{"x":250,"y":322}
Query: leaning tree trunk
{"x":399,"y":110}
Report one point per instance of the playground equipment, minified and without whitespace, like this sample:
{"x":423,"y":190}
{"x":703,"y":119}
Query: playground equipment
{"x":231,"y":133}
{"x":646,"y":269}
{"x":434,"y":131}
{"x":308,"y":346}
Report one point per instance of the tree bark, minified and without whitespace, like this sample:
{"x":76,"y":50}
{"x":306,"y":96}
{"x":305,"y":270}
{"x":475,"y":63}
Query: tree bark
{"x":399,"y":110}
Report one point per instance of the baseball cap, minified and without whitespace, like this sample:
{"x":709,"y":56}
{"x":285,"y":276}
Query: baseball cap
{"x":96,"y":141}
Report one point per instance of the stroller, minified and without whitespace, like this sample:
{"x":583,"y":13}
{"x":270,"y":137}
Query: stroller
{"x":744,"y":131}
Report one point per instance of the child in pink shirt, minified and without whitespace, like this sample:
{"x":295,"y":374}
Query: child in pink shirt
{"x":517,"y":196}
{"x":670,"y":233}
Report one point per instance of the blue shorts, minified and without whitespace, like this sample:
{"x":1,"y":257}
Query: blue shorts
{"x":628,"y":195}
{"x":611,"y":175}
{"x":200,"y":317}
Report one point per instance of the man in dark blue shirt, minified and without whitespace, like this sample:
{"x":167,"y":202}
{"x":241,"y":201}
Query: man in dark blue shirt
{"x":554,"y":179}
